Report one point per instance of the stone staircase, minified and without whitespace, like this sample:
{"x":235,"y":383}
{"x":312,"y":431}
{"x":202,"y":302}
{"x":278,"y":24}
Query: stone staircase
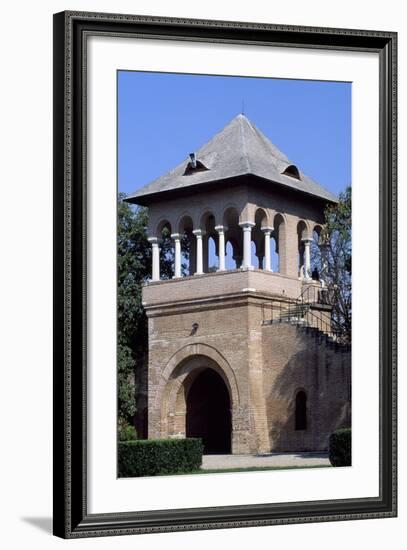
{"x":301,"y":314}
{"x":294,"y":314}
{"x":324,"y":337}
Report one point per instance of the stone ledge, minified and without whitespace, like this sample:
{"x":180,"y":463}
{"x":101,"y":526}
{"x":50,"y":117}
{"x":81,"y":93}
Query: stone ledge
{"x":224,"y":301}
{"x":210,"y":285}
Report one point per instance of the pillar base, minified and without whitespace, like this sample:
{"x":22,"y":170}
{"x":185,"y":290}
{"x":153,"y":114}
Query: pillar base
{"x":247,"y":267}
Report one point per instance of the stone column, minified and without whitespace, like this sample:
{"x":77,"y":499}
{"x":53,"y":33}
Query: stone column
{"x":267,"y":256}
{"x":247,"y":242}
{"x":177,"y":260}
{"x":221,"y":229}
{"x":199,"y":251}
{"x":155,"y":244}
{"x":307,"y":258}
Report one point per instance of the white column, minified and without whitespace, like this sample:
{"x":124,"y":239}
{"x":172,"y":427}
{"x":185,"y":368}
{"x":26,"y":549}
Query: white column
{"x":199,"y":251}
{"x":247,"y":244}
{"x":267,"y":256}
{"x":155,"y":245}
{"x":307,"y":258}
{"x":221,"y":229}
{"x":177,"y":260}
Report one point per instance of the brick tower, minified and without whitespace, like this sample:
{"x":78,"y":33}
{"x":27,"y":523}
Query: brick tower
{"x":241,"y":351}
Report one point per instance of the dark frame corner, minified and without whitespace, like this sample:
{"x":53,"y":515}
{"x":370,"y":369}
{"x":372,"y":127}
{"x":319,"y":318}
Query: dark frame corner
{"x":70,"y":508}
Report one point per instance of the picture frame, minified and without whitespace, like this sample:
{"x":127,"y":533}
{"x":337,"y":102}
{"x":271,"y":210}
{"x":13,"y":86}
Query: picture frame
{"x":71,"y":516}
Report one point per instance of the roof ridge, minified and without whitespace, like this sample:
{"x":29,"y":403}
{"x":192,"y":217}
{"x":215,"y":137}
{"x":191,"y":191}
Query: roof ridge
{"x":242,"y":136}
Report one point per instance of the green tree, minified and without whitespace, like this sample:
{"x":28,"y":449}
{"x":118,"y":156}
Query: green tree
{"x":133,"y":270}
{"x":133,"y":258}
{"x":333,"y":258}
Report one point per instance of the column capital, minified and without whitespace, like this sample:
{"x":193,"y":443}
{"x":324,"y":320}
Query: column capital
{"x":154,"y":240}
{"x":199,"y":232}
{"x":176,"y":236}
{"x":267,"y":229}
{"x":221,"y":228}
{"x":246,"y":225}
{"x":307,"y":240}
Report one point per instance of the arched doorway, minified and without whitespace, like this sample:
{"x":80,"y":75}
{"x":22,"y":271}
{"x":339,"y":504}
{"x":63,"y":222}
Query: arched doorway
{"x":208,"y":412}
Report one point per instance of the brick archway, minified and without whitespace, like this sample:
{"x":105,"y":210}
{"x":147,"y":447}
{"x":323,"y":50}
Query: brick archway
{"x":208,"y":412}
{"x":167,"y":418}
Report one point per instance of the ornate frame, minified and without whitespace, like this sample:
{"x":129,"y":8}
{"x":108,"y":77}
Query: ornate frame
{"x":71,"y":518}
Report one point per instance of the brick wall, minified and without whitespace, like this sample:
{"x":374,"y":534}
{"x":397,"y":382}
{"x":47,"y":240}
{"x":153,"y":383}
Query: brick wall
{"x":263,"y":366}
{"x":214,"y":285}
{"x":294,"y":359}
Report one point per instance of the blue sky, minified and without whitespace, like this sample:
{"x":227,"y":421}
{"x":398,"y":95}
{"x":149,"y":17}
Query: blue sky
{"x":163,"y":117}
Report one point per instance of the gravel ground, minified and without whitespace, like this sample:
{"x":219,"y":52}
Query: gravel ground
{"x":211,"y":462}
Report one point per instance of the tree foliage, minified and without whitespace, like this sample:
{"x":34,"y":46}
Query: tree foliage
{"x":333,"y":257}
{"x":133,"y":269}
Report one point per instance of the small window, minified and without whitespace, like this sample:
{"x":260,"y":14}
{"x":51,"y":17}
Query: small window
{"x":292,"y":171}
{"x":194,"y":166}
{"x":301,"y":411}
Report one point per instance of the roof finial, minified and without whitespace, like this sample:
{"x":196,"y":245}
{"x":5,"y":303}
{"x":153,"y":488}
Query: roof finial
{"x":243,"y":106}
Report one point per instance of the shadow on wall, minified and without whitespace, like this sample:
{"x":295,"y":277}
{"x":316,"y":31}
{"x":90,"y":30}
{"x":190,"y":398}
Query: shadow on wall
{"x":317,"y":371}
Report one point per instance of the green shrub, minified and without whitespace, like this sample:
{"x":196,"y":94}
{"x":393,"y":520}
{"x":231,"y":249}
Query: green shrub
{"x":127,"y":432}
{"x":152,"y":457}
{"x":340,"y":447}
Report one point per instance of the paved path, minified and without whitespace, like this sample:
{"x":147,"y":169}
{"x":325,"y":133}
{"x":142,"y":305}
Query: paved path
{"x":212,"y":462}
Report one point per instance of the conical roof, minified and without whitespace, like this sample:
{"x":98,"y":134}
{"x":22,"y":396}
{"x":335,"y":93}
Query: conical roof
{"x":240,"y":149}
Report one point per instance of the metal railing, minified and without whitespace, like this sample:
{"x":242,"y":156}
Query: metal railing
{"x":301,"y":313}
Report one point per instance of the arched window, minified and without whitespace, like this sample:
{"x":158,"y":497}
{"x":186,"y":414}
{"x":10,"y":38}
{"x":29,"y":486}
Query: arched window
{"x":194,"y":165}
{"x":279,"y":235}
{"x":317,"y":263}
{"x":229,"y":259}
{"x":292,"y":171}
{"x":261,"y":222}
{"x":163,"y":232}
{"x":301,"y":411}
{"x":302,"y":234}
{"x":233,"y":238}
{"x":254,"y":259}
{"x":188,"y":245}
{"x":213,"y":259}
{"x":207,"y":224}
{"x":275,"y":264}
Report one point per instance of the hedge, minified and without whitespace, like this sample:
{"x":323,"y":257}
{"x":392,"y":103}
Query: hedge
{"x":127,"y":433}
{"x":340,"y":447}
{"x":152,"y":457}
